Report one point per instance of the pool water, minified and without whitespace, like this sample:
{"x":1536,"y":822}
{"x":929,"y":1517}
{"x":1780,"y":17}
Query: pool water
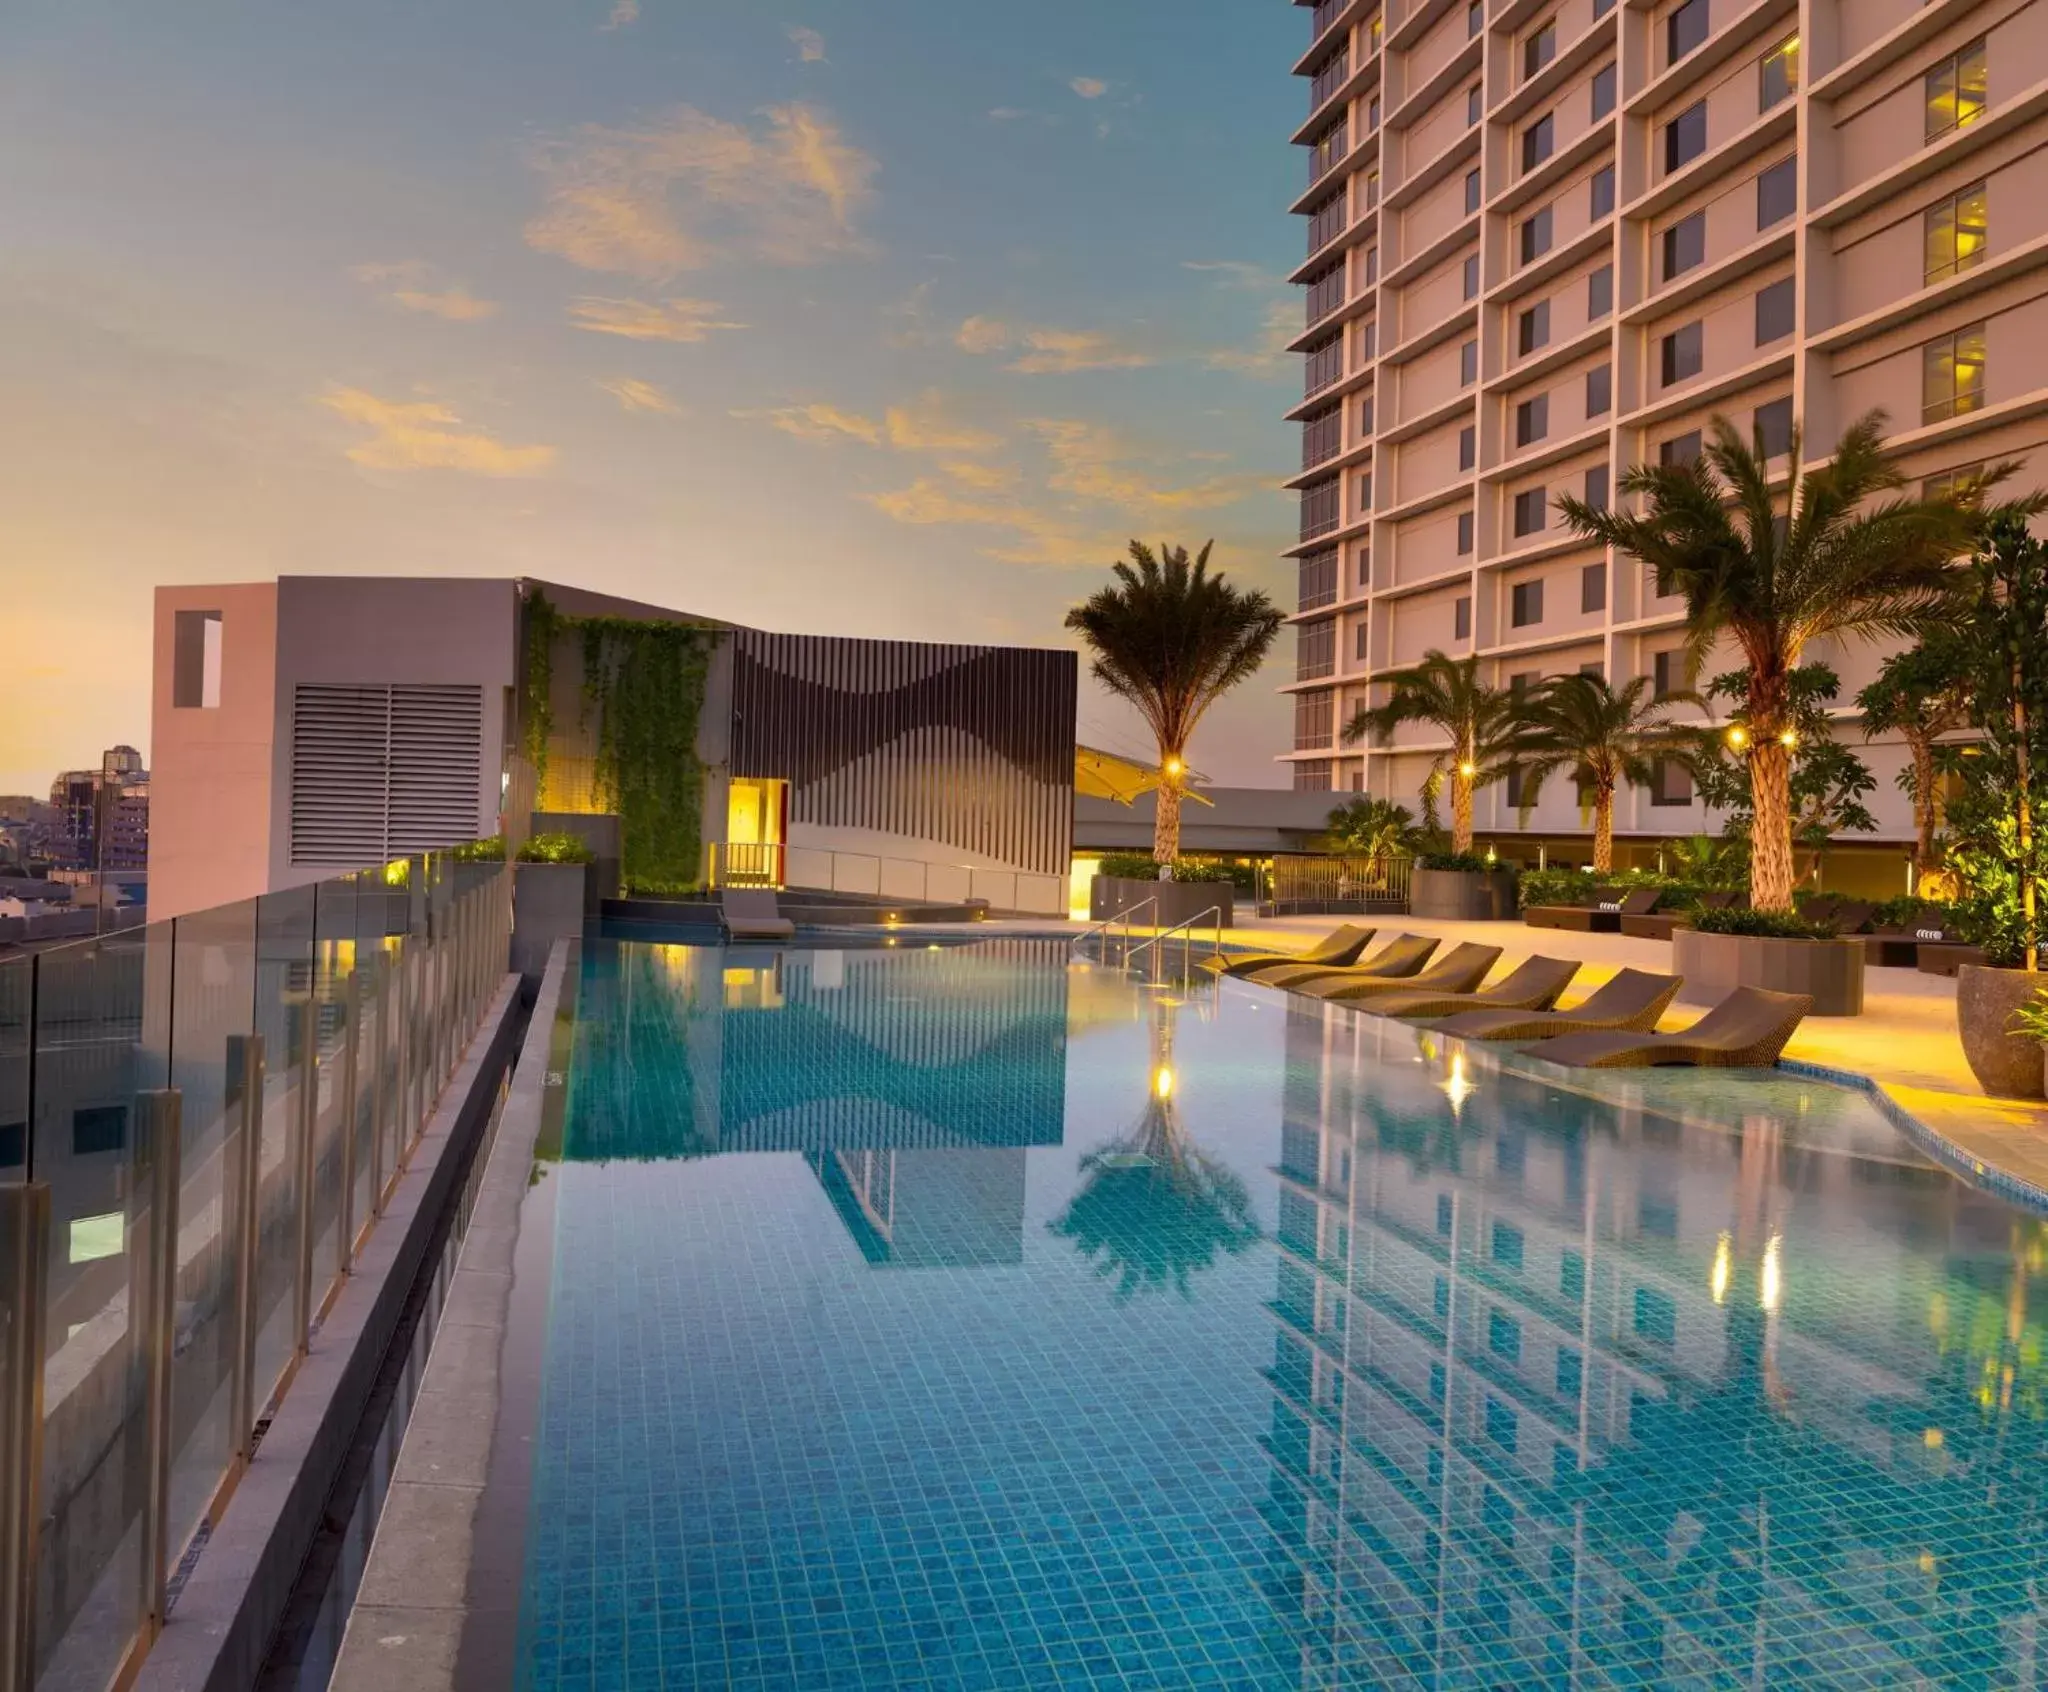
{"x":981,"y":1318}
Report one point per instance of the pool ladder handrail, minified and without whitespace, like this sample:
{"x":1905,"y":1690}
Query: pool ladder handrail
{"x":1213,"y":914}
{"x":1122,"y":917}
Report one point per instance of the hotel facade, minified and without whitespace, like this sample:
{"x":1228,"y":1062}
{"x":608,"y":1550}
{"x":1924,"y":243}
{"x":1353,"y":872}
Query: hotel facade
{"x":1548,"y":239}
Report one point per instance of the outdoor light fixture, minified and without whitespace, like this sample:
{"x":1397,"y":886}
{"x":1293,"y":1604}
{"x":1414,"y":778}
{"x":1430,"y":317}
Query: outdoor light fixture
{"x":1788,"y":739}
{"x":1468,"y":769}
{"x":1173,"y":768}
{"x":1738,"y":737}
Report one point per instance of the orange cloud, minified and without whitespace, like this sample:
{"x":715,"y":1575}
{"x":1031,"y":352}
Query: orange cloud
{"x":419,"y":287}
{"x":644,"y":320}
{"x":1046,"y":351}
{"x":425,"y":435}
{"x":636,"y":395}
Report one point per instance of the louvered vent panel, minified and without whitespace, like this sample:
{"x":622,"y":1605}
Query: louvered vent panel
{"x":339,"y":740}
{"x":437,"y":749}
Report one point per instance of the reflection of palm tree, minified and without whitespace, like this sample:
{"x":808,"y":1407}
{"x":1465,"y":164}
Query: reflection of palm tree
{"x":1154,"y":1208}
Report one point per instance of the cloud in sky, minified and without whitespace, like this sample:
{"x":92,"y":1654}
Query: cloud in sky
{"x":1089,"y":87}
{"x":636,"y":395}
{"x":690,"y":190}
{"x":1047,"y":351}
{"x":821,"y":422}
{"x":415,"y":286}
{"x":624,"y":12}
{"x":809,"y":44}
{"x":650,"y":320}
{"x":426,"y":435}
{"x":920,"y":425}
{"x":1093,"y":462}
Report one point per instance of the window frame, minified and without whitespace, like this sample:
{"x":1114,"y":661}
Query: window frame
{"x":1675,"y":240}
{"x":1682,"y":353}
{"x":1960,"y":399}
{"x":1536,"y":500}
{"x":1767,"y":180}
{"x":1952,"y":205}
{"x":1944,"y":80}
{"x":1785,"y":56}
{"x":1677,"y":19}
{"x":1674,"y":138}
{"x":1765,"y":306}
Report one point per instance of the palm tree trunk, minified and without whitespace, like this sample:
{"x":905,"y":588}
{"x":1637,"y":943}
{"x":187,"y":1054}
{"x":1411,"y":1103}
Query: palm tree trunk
{"x":1770,"y":834}
{"x":1924,"y":862}
{"x":1166,"y":822}
{"x":1461,"y":812}
{"x":1603,"y":833}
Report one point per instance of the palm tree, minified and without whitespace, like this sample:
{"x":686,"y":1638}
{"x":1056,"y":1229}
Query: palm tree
{"x":1604,"y":737}
{"x":1709,"y":860}
{"x":1483,"y":725}
{"x":1173,"y":639}
{"x":1373,"y":828}
{"x":1920,"y":695}
{"x":1775,"y":575}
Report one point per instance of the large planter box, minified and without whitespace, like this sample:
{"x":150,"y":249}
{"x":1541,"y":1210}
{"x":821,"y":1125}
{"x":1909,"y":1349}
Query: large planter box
{"x":547,"y":905}
{"x":1829,"y":971}
{"x":1462,"y":895}
{"x":2006,"y":1064}
{"x":1178,"y":901}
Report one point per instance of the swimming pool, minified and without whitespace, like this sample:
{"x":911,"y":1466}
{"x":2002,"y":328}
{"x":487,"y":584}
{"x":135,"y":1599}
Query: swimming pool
{"x":976,"y":1318}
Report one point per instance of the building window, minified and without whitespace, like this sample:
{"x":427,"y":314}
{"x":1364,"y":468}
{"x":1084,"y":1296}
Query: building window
{"x":1368,"y":335}
{"x":1656,"y":1316}
{"x":1778,"y":73}
{"x":1571,"y":1277}
{"x":1372,"y":189}
{"x":1777,"y":192}
{"x":1372,"y":114}
{"x":1593,"y":588}
{"x":1468,"y":447}
{"x":1680,"y":352}
{"x":1507,"y":1246}
{"x":1475,"y":19}
{"x":1501,"y":1426}
{"x":1666,"y":668}
{"x":1363,"y":484}
{"x":1773,"y":425}
{"x":1599,"y":390}
{"x":1947,"y":485}
{"x":1358,"y":644}
{"x":1315,"y":716}
{"x":1325,"y":293}
{"x":1312,"y":776}
{"x":1320,"y":509}
{"x":1539,"y":47}
{"x":98,"y":1128}
{"x":1600,"y":293}
{"x":1529,"y":510}
{"x":1532,"y":328}
{"x":1685,"y":136}
{"x":1365,"y":417}
{"x":1504,"y":1336}
{"x":1317,"y":581}
{"x":1535,"y":236}
{"x":1538,"y":141}
{"x":195,"y":660}
{"x":1515,"y":780}
{"x":1315,"y":650}
{"x":1471,"y":192}
{"x":1364,"y":557}
{"x":1958,"y":229}
{"x":1956,"y":90}
{"x":1322,"y":437}
{"x":1596,"y":487}
{"x":1474,"y":105}
{"x":1774,"y":311}
{"x":1672,"y":784}
{"x":1603,"y":192}
{"x":1471,"y":276}
{"x":1321,"y":366}
{"x":1603,"y":92}
{"x":1680,"y":449}
{"x":1461,"y":613}
{"x":1532,"y":420}
{"x":1325,"y":224}
{"x":1464,"y":534}
{"x":1525,"y":601}
{"x":1372,"y":266}
{"x":1952,"y":374}
{"x":1601,"y":8}
{"x":1685,"y":245}
{"x":1468,"y":364}
{"x":1684,"y":30}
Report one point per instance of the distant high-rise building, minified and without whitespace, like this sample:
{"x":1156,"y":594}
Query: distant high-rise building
{"x":1547,"y":243}
{"x":113,"y":798}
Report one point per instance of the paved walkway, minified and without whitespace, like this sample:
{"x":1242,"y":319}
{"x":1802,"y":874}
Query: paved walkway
{"x":1905,"y":1040}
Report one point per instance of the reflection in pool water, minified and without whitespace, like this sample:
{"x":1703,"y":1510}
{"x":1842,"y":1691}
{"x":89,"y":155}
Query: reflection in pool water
{"x":965,"y":1318}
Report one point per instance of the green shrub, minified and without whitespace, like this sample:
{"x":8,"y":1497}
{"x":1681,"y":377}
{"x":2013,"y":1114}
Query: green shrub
{"x":1140,"y":866}
{"x":1557,"y":887}
{"x":555,"y":849}
{"x":1454,"y":861}
{"x":1908,"y":913}
{"x":653,"y":888}
{"x":1762,"y":925}
{"x":491,"y":851}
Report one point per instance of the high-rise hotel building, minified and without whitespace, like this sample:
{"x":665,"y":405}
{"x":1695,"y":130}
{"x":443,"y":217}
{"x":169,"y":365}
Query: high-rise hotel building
{"x":1551,"y":238}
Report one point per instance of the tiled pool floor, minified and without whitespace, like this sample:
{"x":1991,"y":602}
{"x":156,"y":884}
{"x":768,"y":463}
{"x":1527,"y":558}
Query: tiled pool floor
{"x":971,"y":1319}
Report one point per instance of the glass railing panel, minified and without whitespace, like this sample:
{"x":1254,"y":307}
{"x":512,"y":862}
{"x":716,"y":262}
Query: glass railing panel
{"x":284,"y":984}
{"x":17,"y":1000}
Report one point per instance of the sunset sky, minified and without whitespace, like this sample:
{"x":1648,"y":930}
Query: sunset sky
{"x":893,"y":318}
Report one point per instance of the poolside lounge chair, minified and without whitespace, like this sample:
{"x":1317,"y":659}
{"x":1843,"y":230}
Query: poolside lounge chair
{"x":1336,"y":949}
{"x":1632,"y":999}
{"x":1402,"y":956}
{"x":1658,"y":924}
{"x":1566,"y":916}
{"x":1746,"y":1030}
{"x":1532,"y":985}
{"x":1459,"y":970}
{"x":750,"y":913}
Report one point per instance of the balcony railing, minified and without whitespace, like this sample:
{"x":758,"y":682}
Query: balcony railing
{"x":1318,"y":581}
{"x":1322,"y":367}
{"x":1329,"y":77}
{"x":1300,"y":884}
{"x":1326,"y":223}
{"x":1322,"y":438}
{"x":1325,"y":294}
{"x":1319,"y":509}
{"x":217,"y":1109}
{"x":1326,"y":13}
{"x":1328,"y":151}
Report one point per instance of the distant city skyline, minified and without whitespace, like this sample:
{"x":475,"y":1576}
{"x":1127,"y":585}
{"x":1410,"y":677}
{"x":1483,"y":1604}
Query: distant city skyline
{"x":877,"y":320}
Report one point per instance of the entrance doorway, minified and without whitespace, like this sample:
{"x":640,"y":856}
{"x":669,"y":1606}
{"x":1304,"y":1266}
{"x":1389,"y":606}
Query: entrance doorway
{"x":756,"y":825}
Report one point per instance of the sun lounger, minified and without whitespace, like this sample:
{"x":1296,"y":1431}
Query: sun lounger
{"x":1402,"y":956}
{"x":1632,"y":999}
{"x":1658,"y":924}
{"x":750,"y":913}
{"x":1533,"y":985}
{"x":1746,"y":1030}
{"x":1459,"y":970}
{"x":1336,"y":949}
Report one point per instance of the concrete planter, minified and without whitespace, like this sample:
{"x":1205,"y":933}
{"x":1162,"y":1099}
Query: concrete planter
{"x":547,"y":905}
{"x":2006,"y":1064}
{"x":1462,"y":895}
{"x":1830,"y":971}
{"x":1178,"y":901}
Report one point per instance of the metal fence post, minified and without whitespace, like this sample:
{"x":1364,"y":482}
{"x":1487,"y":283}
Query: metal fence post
{"x":153,"y":1311}
{"x":351,"y":1053}
{"x":380,"y":1086}
{"x":244,"y":1229}
{"x":304,"y":1163}
{"x":24,"y":1277}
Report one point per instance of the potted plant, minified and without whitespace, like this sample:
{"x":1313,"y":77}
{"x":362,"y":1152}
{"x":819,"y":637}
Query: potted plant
{"x":1486,"y":728}
{"x":1721,"y":950}
{"x":1154,"y":895}
{"x":547,"y":897}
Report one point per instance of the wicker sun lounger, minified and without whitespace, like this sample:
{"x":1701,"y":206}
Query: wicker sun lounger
{"x":1657,"y":925}
{"x":750,"y":913}
{"x":1459,"y":970}
{"x":1402,"y":956}
{"x":1632,"y":999}
{"x":1746,"y":1030}
{"x":1532,"y":985}
{"x":1336,"y":949}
